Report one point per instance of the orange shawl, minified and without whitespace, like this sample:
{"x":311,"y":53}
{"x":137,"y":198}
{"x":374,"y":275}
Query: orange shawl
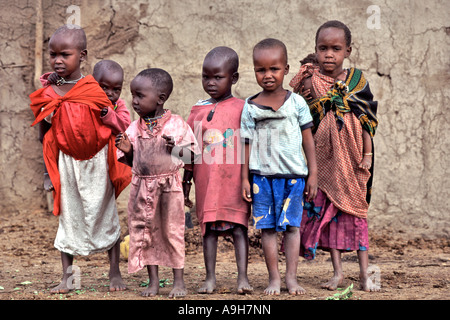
{"x":77,"y":131}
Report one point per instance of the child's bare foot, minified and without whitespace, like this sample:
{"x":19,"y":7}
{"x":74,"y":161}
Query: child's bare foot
{"x":244,"y":286}
{"x":178,"y":291}
{"x":274,"y":287}
{"x":152,"y":290}
{"x":293,"y":287}
{"x":368,"y":285}
{"x":334,"y":282}
{"x":61,"y":288}
{"x":208,"y":287}
{"x":116,"y":283}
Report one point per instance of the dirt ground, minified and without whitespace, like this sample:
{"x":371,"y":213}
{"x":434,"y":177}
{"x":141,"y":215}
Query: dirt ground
{"x":30,"y":265}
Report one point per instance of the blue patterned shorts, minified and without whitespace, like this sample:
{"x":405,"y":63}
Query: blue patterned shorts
{"x":277,"y":202}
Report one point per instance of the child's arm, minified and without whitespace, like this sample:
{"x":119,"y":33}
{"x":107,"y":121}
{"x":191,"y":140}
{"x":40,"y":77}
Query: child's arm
{"x":117,"y":120}
{"x":245,"y":180}
{"x":310,"y":153}
{"x":123,"y":143}
{"x":187,"y":177}
{"x":44,"y":126}
{"x":366,"y":162}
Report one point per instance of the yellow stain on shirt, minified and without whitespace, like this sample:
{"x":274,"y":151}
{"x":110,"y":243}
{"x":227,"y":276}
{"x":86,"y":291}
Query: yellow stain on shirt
{"x":255,"y":188}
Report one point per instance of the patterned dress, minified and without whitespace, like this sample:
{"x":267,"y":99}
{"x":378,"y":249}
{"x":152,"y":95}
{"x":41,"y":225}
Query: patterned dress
{"x":337,"y":218}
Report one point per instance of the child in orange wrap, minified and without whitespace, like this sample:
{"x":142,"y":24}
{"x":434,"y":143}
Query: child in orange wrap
{"x":79,"y":155}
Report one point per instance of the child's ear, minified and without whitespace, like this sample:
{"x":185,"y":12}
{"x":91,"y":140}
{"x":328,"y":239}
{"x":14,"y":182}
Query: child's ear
{"x":83,"y":55}
{"x":235,"y":78}
{"x":348,"y":52}
{"x":286,"y":69}
{"x":162,"y":98}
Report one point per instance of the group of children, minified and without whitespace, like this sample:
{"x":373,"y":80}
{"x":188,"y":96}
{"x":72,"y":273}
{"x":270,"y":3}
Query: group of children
{"x":300,"y":162}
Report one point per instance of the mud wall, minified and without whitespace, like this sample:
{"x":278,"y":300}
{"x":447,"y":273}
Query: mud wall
{"x":402,"y":47}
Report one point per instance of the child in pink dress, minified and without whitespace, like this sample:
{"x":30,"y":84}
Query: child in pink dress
{"x":156,"y":147}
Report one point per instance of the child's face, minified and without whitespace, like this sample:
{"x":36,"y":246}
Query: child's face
{"x":111,"y":83}
{"x":65,"y":57}
{"x":270,"y":68}
{"x":146,"y":99}
{"x":217,"y":78}
{"x":331,"y":50}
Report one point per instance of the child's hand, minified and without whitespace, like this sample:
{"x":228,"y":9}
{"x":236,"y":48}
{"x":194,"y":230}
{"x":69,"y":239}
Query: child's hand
{"x":53,"y":78}
{"x":170,"y":142}
{"x":246,"y":193}
{"x":311,"y":187}
{"x":104,"y":112}
{"x":123,"y":143}
{"x":366,"y":162}
{"x":305,"y":93}
{"x":48,"y":185}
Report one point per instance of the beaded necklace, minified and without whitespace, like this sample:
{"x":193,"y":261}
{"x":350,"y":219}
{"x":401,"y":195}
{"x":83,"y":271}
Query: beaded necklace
{"x":151,"y":122}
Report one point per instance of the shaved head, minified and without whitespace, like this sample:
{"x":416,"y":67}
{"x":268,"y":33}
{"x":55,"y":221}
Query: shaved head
{"x":75,"y":32}
{"x":160,"y":78}
{"x":227,"y":54}
{"x":106,"y":65}
{"x":270,"y":43}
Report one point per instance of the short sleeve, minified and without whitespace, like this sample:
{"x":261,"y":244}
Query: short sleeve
{"x":247,"y":124}
{"x":304,"y":114}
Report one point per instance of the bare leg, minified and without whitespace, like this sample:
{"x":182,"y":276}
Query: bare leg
{"x":292,"y":247}
{"x":270,"y":248}
{"x":338,"y":276}
{"x":240,"y":238}
{"x":366,"y":283}
{"x":179,"y":289}
{"x":115,"y":278}
{"x":64,"y":286}
{"x":210,"y":255}
{"x":153,"y":285}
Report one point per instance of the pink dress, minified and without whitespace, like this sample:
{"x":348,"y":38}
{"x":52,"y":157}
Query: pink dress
{"x":217,"y":175}
{"x":156,"y":204}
